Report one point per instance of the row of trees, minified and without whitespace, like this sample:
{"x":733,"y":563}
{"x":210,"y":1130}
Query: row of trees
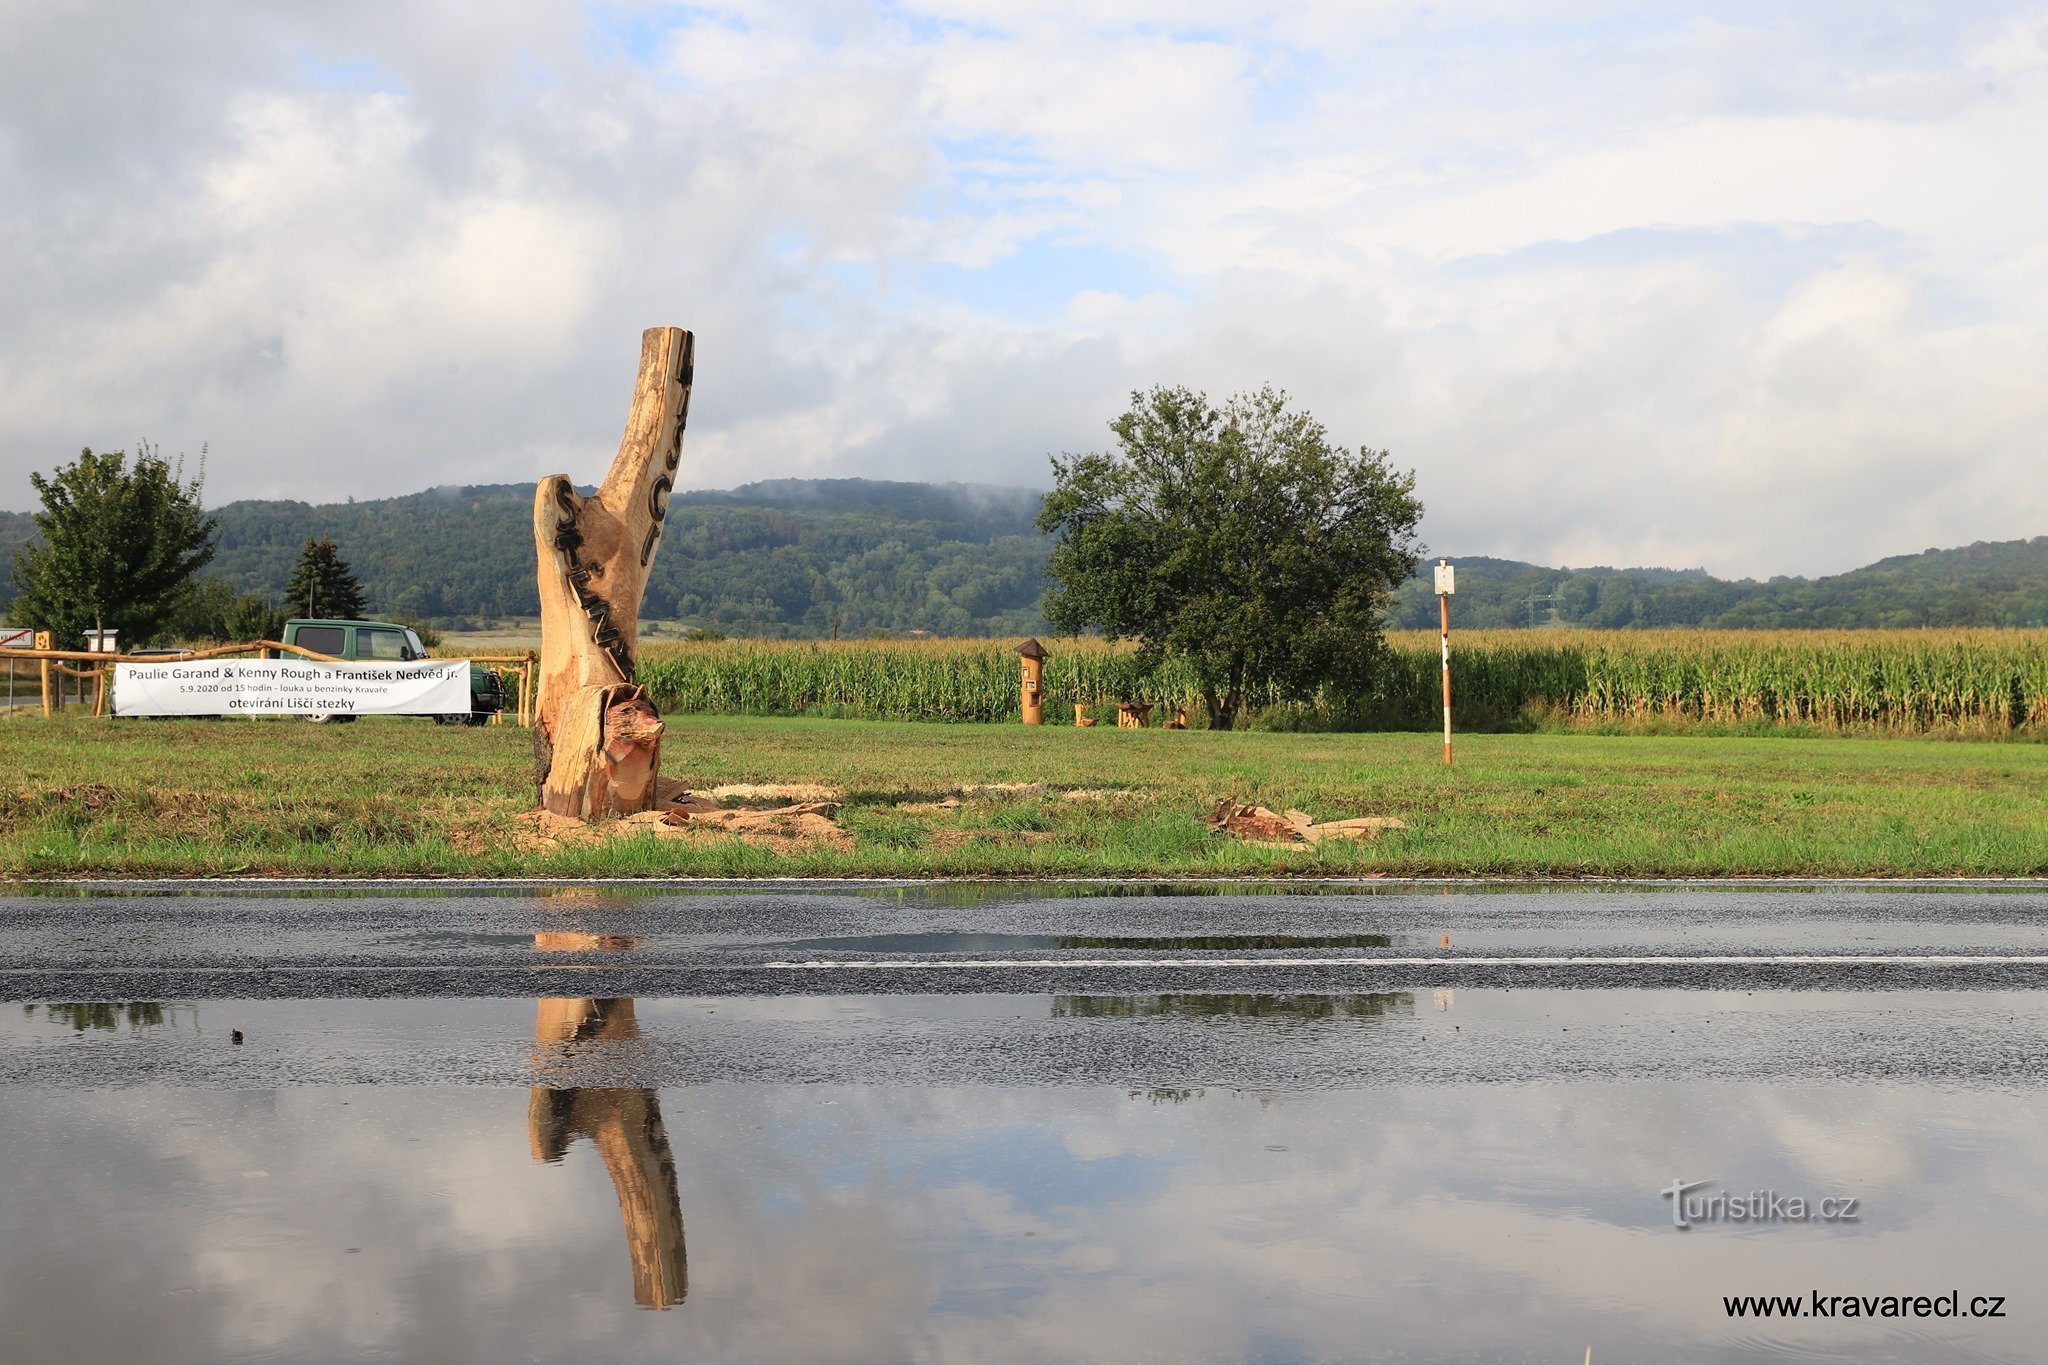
{"x":1237,"y":538}
{"x":120,"y":548}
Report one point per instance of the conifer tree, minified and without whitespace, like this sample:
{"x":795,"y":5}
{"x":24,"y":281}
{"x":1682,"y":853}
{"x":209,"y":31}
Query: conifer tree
{"x":322,"y":584}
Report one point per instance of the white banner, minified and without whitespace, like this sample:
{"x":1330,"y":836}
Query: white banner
{"x":292,"y":687}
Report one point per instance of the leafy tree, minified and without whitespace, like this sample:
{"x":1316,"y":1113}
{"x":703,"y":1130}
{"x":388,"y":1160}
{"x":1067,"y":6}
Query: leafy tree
{"x":212,"y":610}
{"x":252,"y":617}
{"x":322,"y":582}
{"x":1239,"y":539}
{"x":117,"y":545}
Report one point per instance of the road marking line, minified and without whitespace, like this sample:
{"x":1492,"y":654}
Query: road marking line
{"x":1703,"y":960}
{"x":1054,"y":963}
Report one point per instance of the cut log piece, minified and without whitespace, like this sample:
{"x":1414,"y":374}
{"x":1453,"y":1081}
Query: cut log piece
{"x":596,"y":736}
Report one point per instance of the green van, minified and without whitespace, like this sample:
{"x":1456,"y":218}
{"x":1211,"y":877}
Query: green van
{"x":376,"y":640}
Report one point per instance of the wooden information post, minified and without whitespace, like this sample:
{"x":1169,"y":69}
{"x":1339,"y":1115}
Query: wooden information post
{"x":596,"y":736}
{"x":1034,"y":682}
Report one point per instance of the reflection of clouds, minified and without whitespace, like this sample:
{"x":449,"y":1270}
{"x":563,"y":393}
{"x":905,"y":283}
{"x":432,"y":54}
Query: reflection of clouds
{"x":852,"y":1222}
{"x":245,"y":1204}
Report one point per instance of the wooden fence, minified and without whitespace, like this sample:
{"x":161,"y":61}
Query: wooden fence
{"x":54,"y":666}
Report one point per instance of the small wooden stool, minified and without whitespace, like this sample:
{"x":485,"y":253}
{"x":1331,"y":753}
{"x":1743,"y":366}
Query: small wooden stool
{"x":1133,"y":715}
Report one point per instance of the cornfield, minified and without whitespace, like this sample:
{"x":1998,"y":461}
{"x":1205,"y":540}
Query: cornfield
{"x":1904,"y":681}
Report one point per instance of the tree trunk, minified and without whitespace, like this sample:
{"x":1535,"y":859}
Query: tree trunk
{"x":596,"y":737}
{"x":1233,"y":699}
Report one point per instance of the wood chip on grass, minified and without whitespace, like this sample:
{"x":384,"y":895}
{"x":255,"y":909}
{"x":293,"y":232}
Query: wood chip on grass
{"x":1263,"y":828}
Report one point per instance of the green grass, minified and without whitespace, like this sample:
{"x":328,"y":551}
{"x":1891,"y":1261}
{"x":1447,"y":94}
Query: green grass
{"x":85,"y":797}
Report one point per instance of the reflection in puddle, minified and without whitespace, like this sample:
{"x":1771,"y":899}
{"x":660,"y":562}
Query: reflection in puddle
{"x":623,"y":1123}
{"x":558,"y":942}
{"x":108,"y":1016}
{"x":1144,"y":1208}
{"x":1309,"y":1008}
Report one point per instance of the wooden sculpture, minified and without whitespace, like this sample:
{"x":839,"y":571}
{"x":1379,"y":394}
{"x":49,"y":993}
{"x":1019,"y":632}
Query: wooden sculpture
{"x":596,"y":736}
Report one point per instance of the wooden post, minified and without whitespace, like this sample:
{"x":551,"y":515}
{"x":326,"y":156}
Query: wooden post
{"x":1446,"y":584}
{"x":597,"y":737}
{"x":1034,"y":681}
{"x":1444,"y":604}
{"x":50,"y":704}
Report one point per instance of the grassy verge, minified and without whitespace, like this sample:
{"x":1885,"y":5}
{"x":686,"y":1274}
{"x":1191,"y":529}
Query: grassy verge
{"x":391,"y":796}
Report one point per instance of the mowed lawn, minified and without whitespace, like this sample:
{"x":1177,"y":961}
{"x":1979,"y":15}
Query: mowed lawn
{"x":85,"y":797}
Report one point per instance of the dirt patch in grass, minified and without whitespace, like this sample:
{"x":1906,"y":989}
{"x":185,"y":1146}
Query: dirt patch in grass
{"x":952,"y":838}
{"x":685,"y":814}
{"x":747,"y":793}
{"x":87,"y":796}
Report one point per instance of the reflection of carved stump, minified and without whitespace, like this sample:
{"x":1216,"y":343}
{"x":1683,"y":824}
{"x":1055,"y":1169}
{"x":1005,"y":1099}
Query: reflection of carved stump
{"x":597,"y":738}
{"x":626,"y":1128}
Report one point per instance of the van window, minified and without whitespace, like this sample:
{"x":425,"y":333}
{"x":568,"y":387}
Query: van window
{"x":322,"y":639}
{"x":380,"y":644}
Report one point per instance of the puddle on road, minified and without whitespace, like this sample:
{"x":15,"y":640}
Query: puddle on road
{"x":1186,"y":1211}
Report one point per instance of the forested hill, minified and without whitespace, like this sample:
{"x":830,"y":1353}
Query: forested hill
{"x":801,"y":557}
{"x":789,"y":557}
{"x":1998,"y":583}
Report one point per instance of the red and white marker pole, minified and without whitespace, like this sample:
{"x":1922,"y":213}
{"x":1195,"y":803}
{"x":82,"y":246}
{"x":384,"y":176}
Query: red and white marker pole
{"x":1446,"y":584}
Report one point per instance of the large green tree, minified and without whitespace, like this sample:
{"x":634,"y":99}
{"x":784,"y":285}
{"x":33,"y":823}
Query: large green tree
{"x":117,"y":546}
{"x":322,"y":584}
{"x":1238,"y":538}
{"x":212,"y":610}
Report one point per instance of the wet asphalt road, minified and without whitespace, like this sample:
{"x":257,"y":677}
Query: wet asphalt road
{"x":1145,"y":987}
{"x":943,"y":939}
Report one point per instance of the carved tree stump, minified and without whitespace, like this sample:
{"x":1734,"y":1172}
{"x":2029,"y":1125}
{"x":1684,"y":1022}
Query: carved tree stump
{"x":596,"y":737}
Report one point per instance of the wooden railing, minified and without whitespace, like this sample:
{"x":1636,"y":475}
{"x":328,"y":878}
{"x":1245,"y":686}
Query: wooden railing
{"x":58,"y":664}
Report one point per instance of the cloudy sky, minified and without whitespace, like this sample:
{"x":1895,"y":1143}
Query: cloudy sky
{"x":1760,"y":288}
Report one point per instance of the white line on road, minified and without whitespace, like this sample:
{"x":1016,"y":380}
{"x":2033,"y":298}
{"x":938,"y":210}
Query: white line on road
{"x":1448,"y":960}
{"x":1070,"y":963}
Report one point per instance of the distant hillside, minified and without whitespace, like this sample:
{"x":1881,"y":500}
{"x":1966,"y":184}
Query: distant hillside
{"x":790,"y":557}
{"x":806,"y":557}
{"x":2002,"y":583}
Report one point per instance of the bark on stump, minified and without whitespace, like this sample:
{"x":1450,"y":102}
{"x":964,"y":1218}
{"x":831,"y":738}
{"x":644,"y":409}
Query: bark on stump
{"x":596,"y":736}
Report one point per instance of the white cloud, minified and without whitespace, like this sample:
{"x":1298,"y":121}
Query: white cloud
{"x":1763,"y":293}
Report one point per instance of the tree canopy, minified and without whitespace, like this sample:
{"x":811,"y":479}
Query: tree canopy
{"x":322,"y":584}
{"x":1238,"y":538}
{"x":212,"y":610}
{"x":117,"y":546}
